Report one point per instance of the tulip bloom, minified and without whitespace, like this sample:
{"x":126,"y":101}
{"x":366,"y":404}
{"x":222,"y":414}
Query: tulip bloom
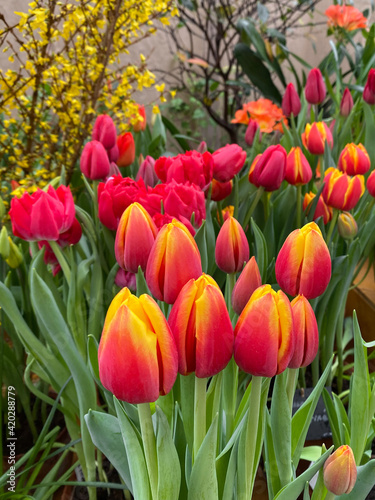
{"x":342,"y":191}
{"x":137,"y":353}
{"x":321,"y":209}
{"x":140,"y":124}
{"x":315,"y":89}
{"x":298,"y":170}
{"x":126,"y":147}
{"x":246,"y":284}
{"x":347,"y":226}
{"x":291,"y":103}
{"x":232,"y":247}
{"x":264,"y":336}
{"x":228,"y":161}
{"x":354,"y":160}
{"x":303,"y":265}
{"x":44,"y":215}
{"x":315,"y":136}
{"x":251,"y":130}
{"x":268,"y":170}
{"x":189,"y":167}
{"x":135,"y":236}
{"x":340,"y":471}
{"x":305,"y":332}
{"x":371,"y":184}
{"x":104,"y":131}
{"x":347,"y":103}
{"x":173,"y":261}
{"x":94,"y":162}
{"x":202,"y":329}
{"x":220,"y":190}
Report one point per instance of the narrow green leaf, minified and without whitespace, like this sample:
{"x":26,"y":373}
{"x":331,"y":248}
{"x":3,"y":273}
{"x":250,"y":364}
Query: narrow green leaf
{"x":261,"y":250}
{"x":201,"y":241}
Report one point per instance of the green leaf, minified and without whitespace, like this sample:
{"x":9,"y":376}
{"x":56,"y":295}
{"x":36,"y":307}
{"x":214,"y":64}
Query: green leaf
{"x":92,"y":354}
{"x":229,"y":486}
{"x":332,"y":417}
{"x":141,"y":283}
{"x":203,"y":480}
{"x":175,"y":132}
{"x":169,"y":470}
{"x":96,"y":312}
{"x":261,"y":250}
{"x":364,"y":484}
{"x":201,"y":241}
{"x":135,"y":455}
{"x":311,"y":453}
{"x":106,"y":434}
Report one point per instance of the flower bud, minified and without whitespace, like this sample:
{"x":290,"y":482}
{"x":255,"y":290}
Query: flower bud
{"x":306,"y":333}
{"x":4,"y":243}
{"x":232,"y":247}
{"x":315,"y":136}
{"x":251,"y":130}
{"x":291,"y":103}
{"x":220,"y":190}
{"x":113,"y":154}
{"x":202,"y":329}
{"x":298,"y":171}
{"x":126,"y":147}
{"x":125,"y":279}
{"x":202,"y":148}
{"x":303,"y":265}
{"x":228,"y":161}
{"x":94,"y":162}
{"x":369,"y":90}
{"x":340,"y":471}
{"x":147,"y":172}
{"x":315,"y":89}
{"x":2,"y":208}
{"x":264,"y":336}
{"x":15,"y":257}
{"x":371,"y":184}
{"x":354,"y":160}
{"x":342,"y":191}
{"x":346,"y":104}
{"x":268,"y":170}
{"x":321,"y":209}
{"x":104,"y":131}
{"x":347,"y":226}
{"x":248,"y":281}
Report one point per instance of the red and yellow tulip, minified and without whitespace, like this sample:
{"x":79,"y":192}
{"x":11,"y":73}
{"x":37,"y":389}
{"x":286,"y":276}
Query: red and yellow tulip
{"x":305,"y":332}
{"x":315,"y":136}
{"x":354,"y":160}
{"x":232,"y":247}
{"x":340,"y":471}
{"x":246,"y":284}
{"x":342,"y":191}
{"x":298,"y":171}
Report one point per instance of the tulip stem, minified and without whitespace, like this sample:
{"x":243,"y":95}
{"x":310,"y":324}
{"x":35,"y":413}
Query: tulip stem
{"x":299,"y":206}
{"x":332,"y":225}
{"x":61,"y":259}
{"x":251,"y":434}
{"x":199,"y":414}
{"x":253,"y":206}
{"x":330,"y":496}
{"x":220,"y":212}
{"x":291,"y":385}
{"x":149,"y":444}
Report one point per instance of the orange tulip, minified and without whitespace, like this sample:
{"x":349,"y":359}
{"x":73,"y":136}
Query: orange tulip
{"x":126,"y":146}
{"x":342,"y":191}
{"x":137,"y":353}
{"x":232,"y":248}
{"x":340,"y":471}
{"x":305,"y":332}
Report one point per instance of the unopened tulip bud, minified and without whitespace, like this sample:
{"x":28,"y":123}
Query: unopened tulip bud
{"x":94,"y":161}
{"x":2,"y":208}
{"x":104,"y":131}
{"x":315,"y":89}
{"x":246,"y":284}
{"x":126,"y":147}
{"x":347,"y":103}
{"x":342,"y":191}
{"x":125,"y":279}
{"x":113,"y":154}
{"x":232,"y":247}
{"x":147,"y":172}
{"x":228,"y":161}
{"x":340,"y":471}
{"x":306,"y":333}
{"x":202,"y":148}
{"x":369,"y":90}
{"x":251,"y":131}
{"x":268,"y":170}
{"x":347,"y":226}
{"x":15,"y":257}
{"x":291,"y":103}
{"x":315,"y":136}
{"x":354,"y":160}
{"x":113,"y":170}
{"x":4,"y":243}
{"x":298,"y":171}
{"x":371,"y":184}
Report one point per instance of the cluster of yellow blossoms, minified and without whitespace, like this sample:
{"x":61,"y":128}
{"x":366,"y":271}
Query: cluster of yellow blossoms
{"x":71,"y":61}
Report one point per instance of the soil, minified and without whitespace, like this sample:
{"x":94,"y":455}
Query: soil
{"x":80,"y":492}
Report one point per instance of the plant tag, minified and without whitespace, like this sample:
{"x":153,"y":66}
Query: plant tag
{"x":319,"y":427}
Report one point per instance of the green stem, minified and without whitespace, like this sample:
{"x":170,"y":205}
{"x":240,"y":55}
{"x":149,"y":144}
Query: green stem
{"x":265,"y":206}
{"x":291,"y":384}
{"x":230,"y":285}
{"x":251,"y":434}
{"x":220,"y":212}
{"x":332,"y":225}
{"x":253,"y":206}
{"x":299,"y":206}
{"x":61,"y":259}
{"x":199,"y":414}
{"x":340,"y":368}
{"x":236,"y":201}
{"x":330,"y":496}
{"x":149,"y":444}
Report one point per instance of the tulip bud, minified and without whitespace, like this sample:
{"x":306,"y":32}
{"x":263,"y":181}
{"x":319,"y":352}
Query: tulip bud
{"x":4,"y":243}
{"x":137,"y":353}
{"x":228,"y":161}
{"x":347,"y":226}
{"x":202,"y":148}
{"x":315,"y":136}
{"x":315,"y":89}
{"x":2,"y":208}
{"x":268,"y":170}
{"x":94,"y":162}
{"x":113,"y":154}
{"x":340,"y":471}
{"x":264,"y":338}
{"x":126,"y":147}
{"x":125,"y":279}
{"x":226,"y":213}
{"x":303,"y":265}
{"x":321,"y":209}
{"x":135,"y":236}
{"x":346,"y":104}
{"x":371,"y":184}
{"x":291,"y":103}
{"x":113,"y":170}
{"x":202,"y":329}
{"x":232,"y":247}
{"x":298,"y":170}
{"x":369,"y":90}
{"x":354,"y":160}
{"x":342,"y":191}
{"x":306,"y":333}
{"x":147,"y":172}
{"x":140,"y":124}
{"x":246,"y":284}
{"x":104,"y":131}
{"x":220,"y":190}
{"x":251,"y":131}
{"x":174,"y":259}
{"x":15,"y":257}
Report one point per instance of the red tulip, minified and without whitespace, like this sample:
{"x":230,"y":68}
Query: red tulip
{"x":315,"y":89}
{"x":220,"y":190}
{"x":202,"y":329}
{"x":298,"y":170}
{"x":321,"y":210}
{"x":232,"y":248}
{"x":371,"y":184}
{"x":44,"y":215}
{"x":94,"y":162}
{"x":354,"y":160}
{"x":104,"y":131}
{"x":291,"y":103}
{"x":369,"y":90}
{"x":189,"y":167}
{"x":125,"y":279}
{"x":342,"y":191}
{"x":315,"y":136}
{"x":135,"y":236}
{"x":268,"y":170}
{"x":347,"y":103}
{"x":173,"y":261}
{"x":228,"y":161}
{"x":246,"y":284}
{"x":264,"y":337}
{"x":340,"y":471}
{"x":126,"y":147}
{"x":140,"y":124}
{"x":305,"y":332}
{"x":303,"y":265}
{"x":251,"y":130}
{"x":137,"y":353}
